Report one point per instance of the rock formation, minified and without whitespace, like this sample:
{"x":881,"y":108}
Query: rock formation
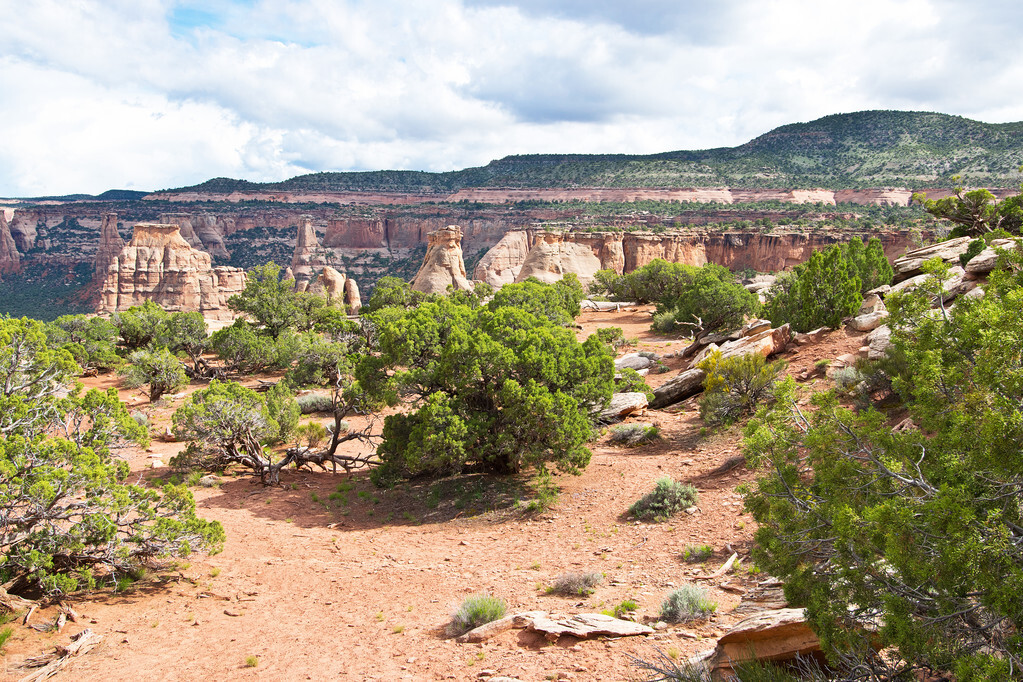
{"x":159,"y":265}
{"x":200,"y":231}
{"x":502,"y":264}
{"x":110,"y":245}
{"x":443,"y":265}
{"x":583,"y":253}
{"x":24,"y":229}
{"x":307,"y":257}
{"x":336,"y":285}
{"x":10,"y":259}
{"x":552,"y":257}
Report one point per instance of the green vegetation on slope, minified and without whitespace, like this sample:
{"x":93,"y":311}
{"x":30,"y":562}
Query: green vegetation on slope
{"x":842,"y":151}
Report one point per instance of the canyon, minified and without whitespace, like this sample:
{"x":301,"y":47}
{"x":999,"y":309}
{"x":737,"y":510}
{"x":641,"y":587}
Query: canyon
{"x":62,"y":248}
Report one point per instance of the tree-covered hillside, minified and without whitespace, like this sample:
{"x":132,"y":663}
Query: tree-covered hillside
{"x":843,"y":151}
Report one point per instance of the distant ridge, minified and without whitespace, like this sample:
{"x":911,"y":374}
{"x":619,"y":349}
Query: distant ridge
{"x":841,"y":151}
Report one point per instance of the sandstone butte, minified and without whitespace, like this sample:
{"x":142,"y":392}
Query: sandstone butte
{"x":311,"y":271}
{"x":443,"y":266}
{"x":159,"y":265}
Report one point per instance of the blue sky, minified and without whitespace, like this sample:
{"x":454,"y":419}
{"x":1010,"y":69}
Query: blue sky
{"x":151,"y":94}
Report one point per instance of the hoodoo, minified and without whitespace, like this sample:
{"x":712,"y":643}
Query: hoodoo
{"x":159,"y":265}
{"x":552,"y":257}
{"x":443,"y":265}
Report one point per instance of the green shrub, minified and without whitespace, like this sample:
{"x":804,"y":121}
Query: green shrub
{"x":847,"y":378}
{"x":613,"y":337}
{"x":475,"y":611}
{"x":159,"y":369}
{"x":972,"y":251}
{"x":694,"y":554}
{"x":309,"y":403}
{"x":5,"y":634}
{"x":628,"y":380}
{"x":312,"y":434}
{"x":576,"y":584}
{"x":668,"y":498}
{"x":632,"y":435}
{"x":818,"y":293}
{"x":735,"y":385}
{"x":621,"y":609}
{"x":547,"y":492}
{"x":665,"y":669}
{"x":687,"y":603}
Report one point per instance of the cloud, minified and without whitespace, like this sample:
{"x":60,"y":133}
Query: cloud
{"x":161,"y":93}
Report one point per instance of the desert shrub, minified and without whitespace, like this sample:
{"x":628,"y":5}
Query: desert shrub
{"x":308,"y":403}
{"x":557,"y":302}
{"x":496,"y":387}
{"x":546,"y":492}
{"x":576,"y":584}
{"x":284,"y":410}
{"x":5,"y":634}
{"x":243,"y":349}
{"x":312,"y":434}
{"x":139,"y":325}
{"x":141,"y":418}
{"x":621,"y":609}
{"x":628,"y":380}
{"x":70,"y":518}
{"x":268,"y":299}
{"x":817,"y":293}
{"x":869,"y":263}
{"x":92,"y":341}
{"x":664,"y":668}
{"x":847,"y":378}
{"x":972,"y":251}
{"x":976,"y":213}
{"x":613,"y":337}
{"x":694,"y":554}
{"x":634,"y":434}
{"x":735,"y":385}
{"x":392,"y":292}
{"x":855,"y":518}
{"x":475,"y":611}
{"x":668,"y":498}
{"x":158,"y":369}
{"x":687,"y":603}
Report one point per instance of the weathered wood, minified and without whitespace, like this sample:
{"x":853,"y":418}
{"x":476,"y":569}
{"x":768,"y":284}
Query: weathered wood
{"x":685,"y":385}
{"x":725,"y":568}
{"x":51,"y":663}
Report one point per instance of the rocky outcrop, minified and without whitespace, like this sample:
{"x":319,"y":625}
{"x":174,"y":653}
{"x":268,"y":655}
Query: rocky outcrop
{"x":10,"y":259}
{"x":24,"y":229}
{"x":110,"y":245}
{"x":200,"y":231}
{"x":780,"y":635}
{"x":502,"y":263}
{"x":337,"y":287}
{"x":308,"y":255}
{"x":552,"y":257}
{"x":443,"y":265}
{"x":557,"y":253}
{"x":159,"y":265}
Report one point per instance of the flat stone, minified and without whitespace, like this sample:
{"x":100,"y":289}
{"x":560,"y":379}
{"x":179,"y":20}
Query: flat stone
{"x":624,"y":404}
{"x":586,"y":625}
{"x":633,"y":361}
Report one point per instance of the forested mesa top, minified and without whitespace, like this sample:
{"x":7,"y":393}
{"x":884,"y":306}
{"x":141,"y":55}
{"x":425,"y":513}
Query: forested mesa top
{"x":842,"y":151}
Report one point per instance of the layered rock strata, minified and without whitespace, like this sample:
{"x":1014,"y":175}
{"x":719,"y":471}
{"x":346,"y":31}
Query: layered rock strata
{"x":200,"y":231}
{"x":10,"y":259}
{"x":160,"y":266}
{"x":110,"y":245}
{"x":443,"y":266}
{"x":552,"y":257}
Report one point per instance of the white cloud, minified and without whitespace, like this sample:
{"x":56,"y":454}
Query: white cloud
{"x":156,"y":93}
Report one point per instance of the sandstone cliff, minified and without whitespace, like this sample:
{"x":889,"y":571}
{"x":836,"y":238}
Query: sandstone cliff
{"x":10,"y":259}
{"x":159,"y":265}
{"x":110,"y":245}
{"x":443,"y":265}
{"x":583,"y":253}
{"x":24,"y":228}
{"x":552,"y":257}
{"x":200,"y":231}
{"x":307,"y":257}
{"x":502,"y":264}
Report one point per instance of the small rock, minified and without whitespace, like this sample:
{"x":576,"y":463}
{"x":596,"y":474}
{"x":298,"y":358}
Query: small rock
{"x":660,"y":625}
{"x":156,"y":464}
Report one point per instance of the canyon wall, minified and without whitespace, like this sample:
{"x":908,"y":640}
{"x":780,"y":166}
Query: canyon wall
{"x":10,"y":259}
{"x":552,"y":255}
{"x":497,"y":195}
{"x":158,"y":264}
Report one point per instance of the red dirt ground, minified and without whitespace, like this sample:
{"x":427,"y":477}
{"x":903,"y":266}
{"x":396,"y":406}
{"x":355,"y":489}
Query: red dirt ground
{"x":363,"y":589}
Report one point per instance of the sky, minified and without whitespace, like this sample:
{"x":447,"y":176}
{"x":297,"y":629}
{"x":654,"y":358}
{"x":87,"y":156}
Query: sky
{"x":154,"y":94}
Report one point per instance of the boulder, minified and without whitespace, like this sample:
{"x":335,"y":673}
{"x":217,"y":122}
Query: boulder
{"x":868,"y":322}
{"x":443,"y":265}
{"x":686,"y":384}
{"x":754,"y":327}
{"x":949,"y":251}
{"x":586,"y":625}
{"x":766,"y":343}
{"x":878,"y":342}
{"x":872,"y":303}
{"x":775,"y":635}
{"x":624,"y":404}
{"x":633,"y":361}
{"x":811,"y":337}
{"x":985,"y":261}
